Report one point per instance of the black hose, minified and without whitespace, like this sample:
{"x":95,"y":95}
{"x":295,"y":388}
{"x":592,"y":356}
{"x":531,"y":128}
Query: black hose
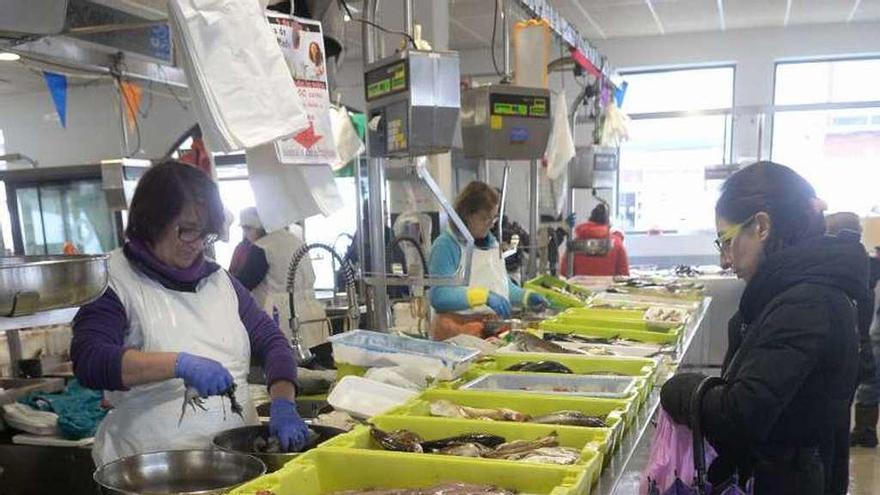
{"x":397,"y":240}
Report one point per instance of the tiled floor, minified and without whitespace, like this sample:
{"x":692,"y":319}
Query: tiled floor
{"x":864,"y":471}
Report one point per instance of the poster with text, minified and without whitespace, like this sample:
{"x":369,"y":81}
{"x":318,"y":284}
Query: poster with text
{"x":302,"y":44}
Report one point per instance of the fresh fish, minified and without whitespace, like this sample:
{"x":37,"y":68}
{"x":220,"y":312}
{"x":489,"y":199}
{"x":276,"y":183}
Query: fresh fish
{"x":527,"y":342}
{"x":483,"y":439}
{"x":233,"y":403}
{"x":570,"y":337}
{"x":192,"y":399}
{"x":465,"y":450}
{"x":570,"y":418}
{"x":398,"y":441}
{"x":552,"y":455}
{"x":446,"y":409}
{"x":513,"y":450}
{"x":444,"y":489}
{"x":605,"y":373}
{"x":540,"y":367}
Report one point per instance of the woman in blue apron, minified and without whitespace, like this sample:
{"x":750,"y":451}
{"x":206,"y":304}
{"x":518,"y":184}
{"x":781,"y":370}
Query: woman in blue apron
{"x":491,"y":293}
{"x":172,"y":319}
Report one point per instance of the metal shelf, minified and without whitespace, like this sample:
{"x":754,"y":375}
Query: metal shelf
{"x":622,"y":474}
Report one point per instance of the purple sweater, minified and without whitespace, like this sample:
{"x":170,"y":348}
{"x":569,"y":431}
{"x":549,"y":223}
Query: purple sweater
{"x":99,"y":327}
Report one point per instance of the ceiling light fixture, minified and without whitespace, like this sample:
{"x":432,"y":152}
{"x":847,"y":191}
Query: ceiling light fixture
{"x":9,"y":57}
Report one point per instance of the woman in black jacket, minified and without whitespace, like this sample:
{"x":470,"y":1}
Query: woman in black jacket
{"x":791,"y":367}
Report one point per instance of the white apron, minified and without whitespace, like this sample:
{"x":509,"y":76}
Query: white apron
{"x":280,"y":247}
{"x":204,"y":323}
{"x":488,"y":271}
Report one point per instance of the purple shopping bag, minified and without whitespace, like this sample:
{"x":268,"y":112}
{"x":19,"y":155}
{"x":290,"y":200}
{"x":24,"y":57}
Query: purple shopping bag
{"x":672,"y":457}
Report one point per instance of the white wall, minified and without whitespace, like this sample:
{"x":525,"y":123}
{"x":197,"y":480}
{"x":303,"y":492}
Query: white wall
{"x":30,"y":125}
{"x":753,"y":51}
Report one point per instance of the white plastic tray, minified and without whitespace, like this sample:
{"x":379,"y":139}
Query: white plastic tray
{"x":364,"y":398}
{"x":614,"y":387}
{"x":375,"y":349}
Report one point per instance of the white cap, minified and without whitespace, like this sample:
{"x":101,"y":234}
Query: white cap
{"x":250,"y":218}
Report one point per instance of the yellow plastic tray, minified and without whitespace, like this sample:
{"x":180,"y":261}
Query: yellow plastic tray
{"x":591,"y":442}
{"x":618,"y":413}
{"x":586,"y":317}
{"x":557,"y":299}
{"x":558,"y":325}
{"x":645,"y":369}
{"x":329,"y":470}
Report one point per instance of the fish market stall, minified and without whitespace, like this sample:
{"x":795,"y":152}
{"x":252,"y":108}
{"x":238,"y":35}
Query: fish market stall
{"x":556,"y":408}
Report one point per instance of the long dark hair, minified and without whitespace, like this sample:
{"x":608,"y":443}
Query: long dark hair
{"x":779,"y":191}
{"x":163,"y":192}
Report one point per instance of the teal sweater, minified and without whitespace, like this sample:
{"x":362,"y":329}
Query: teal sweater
{"x":445,"y":261}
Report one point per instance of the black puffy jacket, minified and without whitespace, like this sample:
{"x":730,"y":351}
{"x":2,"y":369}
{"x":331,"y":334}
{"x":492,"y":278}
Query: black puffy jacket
{"x":792,"y":365}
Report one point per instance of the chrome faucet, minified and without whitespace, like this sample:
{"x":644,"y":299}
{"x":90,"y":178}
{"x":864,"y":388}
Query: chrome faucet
{"x":354,"y":314}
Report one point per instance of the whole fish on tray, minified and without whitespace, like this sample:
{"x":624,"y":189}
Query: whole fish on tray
{"x":540,"y":367}
{"x":490,"y":441}
{"x":480,"y":445}
{"x":552,"y":455}
{"x":527,"y":342}
{"x":397,"y":441}
{"x":446,"y":409}
{"x":570,"y":418}
{"x":517,"y":449}
{"x":444,"y":489}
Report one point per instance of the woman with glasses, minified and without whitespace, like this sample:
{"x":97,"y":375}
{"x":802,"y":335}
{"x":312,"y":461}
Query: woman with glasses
{"x":172,"y":320}
{"x":790,"y":370}
{"x":490,"y":293}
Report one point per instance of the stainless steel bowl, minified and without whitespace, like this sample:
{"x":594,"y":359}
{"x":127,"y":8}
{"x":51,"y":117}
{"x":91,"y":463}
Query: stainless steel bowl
{"x":201,"y":472}
{"x":37,"y":283}
{"x":241,"y":440}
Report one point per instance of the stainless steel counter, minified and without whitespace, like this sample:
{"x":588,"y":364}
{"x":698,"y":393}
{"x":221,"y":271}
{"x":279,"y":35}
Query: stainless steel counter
{"x":623,"y":472}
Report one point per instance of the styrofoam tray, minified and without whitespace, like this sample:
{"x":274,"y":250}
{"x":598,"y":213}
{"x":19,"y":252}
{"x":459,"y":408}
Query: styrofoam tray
{"x":363,"y":398}
{"x":375,"y":349}
{"x":615,"y":387}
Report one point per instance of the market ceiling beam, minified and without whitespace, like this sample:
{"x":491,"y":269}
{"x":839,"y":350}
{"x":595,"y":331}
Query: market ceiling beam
{"x":721,"y":14}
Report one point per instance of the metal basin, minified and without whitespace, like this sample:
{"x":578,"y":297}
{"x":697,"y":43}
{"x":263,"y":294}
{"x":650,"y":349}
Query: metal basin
{"x":179,"y":472}
{"x":241,"y":440}
{"x":37,"y":283}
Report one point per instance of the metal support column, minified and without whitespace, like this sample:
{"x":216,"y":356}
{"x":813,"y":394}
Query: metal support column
{"x":533,"y":219}
{"x":569,"y":193}
{"x":503,"y":207}
{"x":376,"y":188}
{"x":408,"y":25}
{"x":505,"y":36}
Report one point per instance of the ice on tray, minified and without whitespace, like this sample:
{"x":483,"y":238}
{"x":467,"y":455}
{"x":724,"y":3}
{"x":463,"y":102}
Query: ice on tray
{"x":550,"y":383}
{"x":375,"y":349}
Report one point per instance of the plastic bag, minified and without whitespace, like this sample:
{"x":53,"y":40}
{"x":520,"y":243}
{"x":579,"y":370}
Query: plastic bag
{"x":672,"y":455}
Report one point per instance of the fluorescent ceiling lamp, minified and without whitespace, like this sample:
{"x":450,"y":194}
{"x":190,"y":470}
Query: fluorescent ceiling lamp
{"x":9,"y":57}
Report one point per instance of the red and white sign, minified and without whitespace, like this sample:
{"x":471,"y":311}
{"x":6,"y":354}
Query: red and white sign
{"x":302,"y":44}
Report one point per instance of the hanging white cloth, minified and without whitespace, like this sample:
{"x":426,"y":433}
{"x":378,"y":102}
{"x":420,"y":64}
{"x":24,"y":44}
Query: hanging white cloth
{"x":204,"y":323}
{"x":560,"y":151}
{"x":286,"y":194}
{"x":243,"y":93}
